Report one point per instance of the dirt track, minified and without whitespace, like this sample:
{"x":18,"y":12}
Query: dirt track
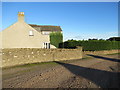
{"x":94,"y":72}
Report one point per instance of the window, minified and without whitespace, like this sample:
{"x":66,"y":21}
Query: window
{"x":45,"y":33}
{"x":46,"y":45}
{"x":31,"y":33}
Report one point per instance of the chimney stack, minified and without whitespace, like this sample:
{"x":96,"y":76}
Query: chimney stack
{"x":21,"y":16}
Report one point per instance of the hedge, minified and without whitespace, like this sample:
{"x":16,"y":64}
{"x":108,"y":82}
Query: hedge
{"x":92,"y":45}
{"x":56,"y":38}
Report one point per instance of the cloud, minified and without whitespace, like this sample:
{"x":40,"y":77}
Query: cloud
{"x":85,"y":36}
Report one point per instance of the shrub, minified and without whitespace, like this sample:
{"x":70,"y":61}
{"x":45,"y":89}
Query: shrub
{"x":92,"y":45}
{"x":56,"y":38}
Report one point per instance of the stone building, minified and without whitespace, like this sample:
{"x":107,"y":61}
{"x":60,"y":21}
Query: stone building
{"x":23,"y":35}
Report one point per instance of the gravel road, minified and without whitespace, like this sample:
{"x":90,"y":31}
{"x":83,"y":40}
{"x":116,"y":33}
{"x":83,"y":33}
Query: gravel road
{"x":92,"y":72}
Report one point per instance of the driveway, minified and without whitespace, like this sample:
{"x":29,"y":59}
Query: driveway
{"x":93,"y":72}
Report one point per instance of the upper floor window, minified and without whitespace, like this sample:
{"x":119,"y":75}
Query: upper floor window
{"x":45,"y":32}
{"x":31,"y":33}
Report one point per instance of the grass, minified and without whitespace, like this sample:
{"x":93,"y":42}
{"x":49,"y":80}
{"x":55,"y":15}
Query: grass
{"x":31,"y":65}
{"x":114,"y":54}
{"x":85,"y":58}
{"x":34,"y":64}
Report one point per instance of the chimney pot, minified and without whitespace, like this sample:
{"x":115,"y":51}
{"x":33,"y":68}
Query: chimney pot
{"x":20,"y":16}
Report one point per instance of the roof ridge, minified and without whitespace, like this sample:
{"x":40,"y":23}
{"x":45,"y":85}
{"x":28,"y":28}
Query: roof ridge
{"x":44,"y":25}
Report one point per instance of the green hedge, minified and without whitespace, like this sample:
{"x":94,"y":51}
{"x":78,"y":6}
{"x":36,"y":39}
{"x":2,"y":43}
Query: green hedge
{"x":56,"y":38}
{"x":92,"y":45}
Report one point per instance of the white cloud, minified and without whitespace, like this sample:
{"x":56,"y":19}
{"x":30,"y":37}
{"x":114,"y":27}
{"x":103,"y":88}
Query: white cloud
{"x":85,"y":36}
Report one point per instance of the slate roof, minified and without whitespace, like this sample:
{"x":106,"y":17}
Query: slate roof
{"x":40,"y":28}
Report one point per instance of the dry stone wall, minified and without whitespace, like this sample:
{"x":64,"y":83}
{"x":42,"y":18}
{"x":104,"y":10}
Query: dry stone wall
{"x":100,"y":52}
{"x":19,"y":56}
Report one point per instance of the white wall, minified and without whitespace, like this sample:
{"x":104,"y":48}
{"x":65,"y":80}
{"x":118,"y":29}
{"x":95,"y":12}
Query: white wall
{"x":0,"y":40}
{"x":17,"y":36}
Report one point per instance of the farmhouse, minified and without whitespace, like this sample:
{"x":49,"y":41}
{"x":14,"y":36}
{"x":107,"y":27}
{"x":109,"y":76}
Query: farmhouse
{"x":23,"y":35}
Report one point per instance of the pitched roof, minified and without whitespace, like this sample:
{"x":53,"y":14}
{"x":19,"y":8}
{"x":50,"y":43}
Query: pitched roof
{"x":46,"y":27}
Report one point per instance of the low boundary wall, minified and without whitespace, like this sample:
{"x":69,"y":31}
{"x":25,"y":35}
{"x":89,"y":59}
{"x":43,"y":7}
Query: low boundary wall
{"x":19,"y":56}
{"x":103,"y":52}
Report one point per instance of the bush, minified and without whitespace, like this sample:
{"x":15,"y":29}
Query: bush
{"x":56,"y":38}
{"x":91,"y":45}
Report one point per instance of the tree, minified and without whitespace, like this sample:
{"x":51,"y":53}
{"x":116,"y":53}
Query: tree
{"x":114,"y":39}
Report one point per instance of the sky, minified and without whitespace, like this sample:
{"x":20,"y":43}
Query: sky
{"x":78,"y":20}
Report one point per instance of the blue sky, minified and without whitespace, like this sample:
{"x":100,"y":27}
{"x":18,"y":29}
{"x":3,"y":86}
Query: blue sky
{"x":78,"y":20}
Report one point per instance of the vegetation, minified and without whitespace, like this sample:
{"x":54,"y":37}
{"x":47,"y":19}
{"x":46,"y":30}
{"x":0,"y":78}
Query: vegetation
{"x":56,"y":38}
{"x":91,"y":45}
{"x":114,"y":39}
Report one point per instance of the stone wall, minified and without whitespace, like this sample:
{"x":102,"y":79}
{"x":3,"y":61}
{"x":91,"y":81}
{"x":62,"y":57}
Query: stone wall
{"x":19,"y":56}
{"x":100,"y":52}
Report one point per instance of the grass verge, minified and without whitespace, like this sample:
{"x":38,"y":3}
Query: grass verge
{"x":31,"y":65}
{"x":114,"y":54}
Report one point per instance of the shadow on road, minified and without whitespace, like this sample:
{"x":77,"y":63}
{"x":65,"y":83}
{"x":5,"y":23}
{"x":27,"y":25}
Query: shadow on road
{"x":105,"y":58}
{"x":101,"y":78}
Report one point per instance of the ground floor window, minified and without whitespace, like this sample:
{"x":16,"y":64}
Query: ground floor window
{"x":46,"y":45}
